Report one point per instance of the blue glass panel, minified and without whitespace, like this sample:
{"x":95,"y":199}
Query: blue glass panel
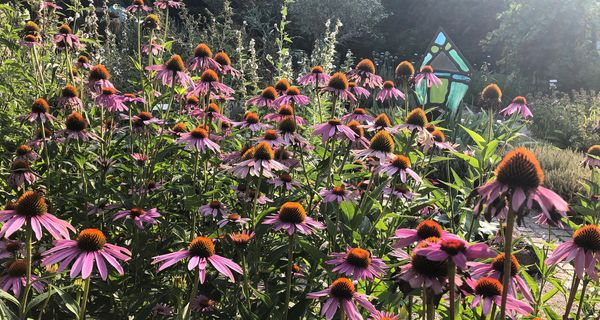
{"x":441,"y":38}
{"x":442,"y":74}
{"x":461,"y":77}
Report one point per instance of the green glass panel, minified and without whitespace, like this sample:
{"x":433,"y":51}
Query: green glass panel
{"x":459,"y":60}
{"x":448,"y":46}
{"x":457,"y":93}
{"x":435,"y":49}
{"x":438,"y":94}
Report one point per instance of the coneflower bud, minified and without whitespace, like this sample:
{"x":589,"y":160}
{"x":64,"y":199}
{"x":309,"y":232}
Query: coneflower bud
{"x":40,"y":105}
{"x":151,"y":22}
{"x":338,"y":81}
{"x":366,"y":65}
{"x":520,"y":169}
{"x":405,"y":70}
{"x":222,"y":58}
{"x":75,"y":122}
{"x":282,"y":85}
{"x":99,"y":72}
{"x":65,"y":29}
{"x":202,"y":51}
{"x":175,"y":63}
{"x":417,"y":117}
{"x":491,"y":93}
{"x":209,"y":76}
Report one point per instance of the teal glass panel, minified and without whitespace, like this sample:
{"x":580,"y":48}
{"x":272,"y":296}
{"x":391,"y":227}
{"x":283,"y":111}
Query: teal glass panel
{"x":457,"y":93}
{"x":459,"y":60}
{"x":427,"y":59}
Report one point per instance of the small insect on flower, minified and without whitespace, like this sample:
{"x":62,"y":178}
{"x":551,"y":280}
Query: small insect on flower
{"x":89,"y":246}
{"x":357,"y":262}
{"x":171,"y":72}
{"x":342,"y":294}
{"x":200,"y":251}
{"x":364,"y":74}
{"x":291,"y":218}
{"x":316,"y":77}
{"x":427,"y":74}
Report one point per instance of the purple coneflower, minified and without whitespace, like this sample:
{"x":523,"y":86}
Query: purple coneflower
{"x":284,"y":111}
{"x":358,"y":114}
{"x":210,"y":113}
{"x":132,"y":98}
{"x":30,"y":41}
{"x":416,"y":120}
{"x":381,"y":315}
{"x":225,"y":65}
{"x":358,"y":91}
{"x":381,"y":147}
{"x":488,"y":291}
{"x":317,"y":77}
{"x":76,"y":128}
{"x":381,"y":122}
{"x":389,"y":92}
{"x":99,"y":78}
{"x":152,"y":48}
{"x":495,"y":270}
{"x":261,"y":164}
{"x":284,"y":181}
{"x":200,"y":251}
{"x":361,"y":142}
{"x":421,"y":272}
{"x":251,"y":121}
{"x":291,"y":218}
{"x":66,"y":38}
{"x":292,"y":94}
{"x":214,"y":208}
{"x":518,"y":105}
{"x":265,"y":99}
{"x":241,"y":239}
{"x":40,"y":110}
{"x":202,"y":303}
{"x":89,"y":246}
{"x":272,"y":138}
{"x":138,"y":5}
{"x":165,"y":4}
{"x":50,"y":4}
{"x":20,"y":173}
{"x":400,"y":191}
{"x":425,"y":229}
{"x":11,"y":248}
{"x":437,"y":140}
{"x":69,"y":98}
{"x":337,"y":194}
{"x":337,"y":86}
{"x":171,"y":71}
{"x":139,"y":216}
{"x":456,"y":249}
{"x":143,"y":120}
{"x":202,"y":59}
{"x":162,"y":309}
{"x":400,"y":165}
{"x":429,"y":76}
{"x":405,"y":71}
{"x":364,"y":74}
{"x":198,"y":139}
{"x":83,"y":62}
{"x":15,"y":278}
{"x":334,"y":128}
{"x":584,"y":248}
{"x":111,"y":100}
{"x":357,"y":263}
{"x":342,"y":293}
{"x":209,"y":82}
{"x":232,"y":218}
{"x":592,"y":158}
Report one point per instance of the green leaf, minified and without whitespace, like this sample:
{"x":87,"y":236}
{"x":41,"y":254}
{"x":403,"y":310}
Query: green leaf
{"x":68,"y":300}
{"x":479,"y":140}
{"x":7,"y":296}
{"x":551,"y":314}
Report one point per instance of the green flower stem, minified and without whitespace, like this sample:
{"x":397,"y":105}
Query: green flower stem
{"x":508,"y":237}
{"x":192,"y":294}
{"x":288,"y":283}
{"x":451,"y":289}
{"x":84,"y":298}
{"x":571,"y":299}
{"x":23,"y":306}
